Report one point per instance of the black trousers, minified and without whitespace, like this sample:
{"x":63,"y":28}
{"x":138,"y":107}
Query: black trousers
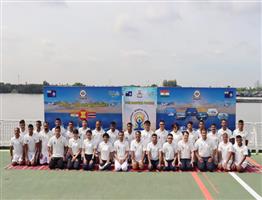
{"x":89,"y":166}
{"x":56,"y":162}
{"x":73,"y":164}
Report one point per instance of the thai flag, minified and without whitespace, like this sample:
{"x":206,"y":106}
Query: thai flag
{"x":51,"y":93}
{"x":164,"y":93}
{"x":91,"y":115}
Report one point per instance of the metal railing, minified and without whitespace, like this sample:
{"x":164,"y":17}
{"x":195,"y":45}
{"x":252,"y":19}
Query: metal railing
{"x":254,"y":128}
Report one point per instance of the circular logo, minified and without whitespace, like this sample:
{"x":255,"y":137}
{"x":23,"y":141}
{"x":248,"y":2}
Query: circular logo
{"x":82,"y":93}
{"x":138,"y":117}
{"x":197,"y":94}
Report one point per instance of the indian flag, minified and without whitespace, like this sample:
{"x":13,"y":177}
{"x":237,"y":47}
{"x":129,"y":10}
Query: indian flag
{"x":164,"y":93}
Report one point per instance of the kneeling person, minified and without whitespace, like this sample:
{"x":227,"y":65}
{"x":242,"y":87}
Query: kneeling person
{"x":105,"y":151}
{"x":169,"y":152}
{"x":240,"y":155}
{"x":205,"y":152}
{"x":16,"y":148}
{"x":89,"y":151}
{"x":57,"y":148}
{"x":74,"y":151}
{"x":137,"y":152}
{"x":121,"y":148}
{"x":154,"y":154}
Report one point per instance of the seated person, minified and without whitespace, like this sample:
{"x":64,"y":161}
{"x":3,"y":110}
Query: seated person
{"x":154,"y":154}
{"x":89,"y":151}
{"x":74,"y":151}
{"x":169,"y":150}
{"x":16,"y":148}
{"x":137,"y":152}
{"x":121,"y":148}
{"x":240,"y":155}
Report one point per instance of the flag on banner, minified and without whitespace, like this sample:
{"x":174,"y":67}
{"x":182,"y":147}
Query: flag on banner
{"x":164,"y":93}
{"x":229,"y":94}
{"x":91,"y":115}
{"x":51,"y":93}
{"x":129,"y":94}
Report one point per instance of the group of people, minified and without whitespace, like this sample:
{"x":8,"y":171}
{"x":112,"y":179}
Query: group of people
{"x":156,"y":150}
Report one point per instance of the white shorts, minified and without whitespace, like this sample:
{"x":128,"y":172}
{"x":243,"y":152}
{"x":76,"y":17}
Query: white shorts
{"x":243,"y":165}
{"x":44,"y":159}
{"x":119,"y":166}
{"x":31,"y":156}
{"x":229,"y":163}
{"x":17,"y":158}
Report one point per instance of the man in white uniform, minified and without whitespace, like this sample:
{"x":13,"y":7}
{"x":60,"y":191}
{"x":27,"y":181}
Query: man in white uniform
{"x":201,"y":126}
{"x":227,"y":130}
{"x":22,"y":128}
{"x":113,"y":133}
{"x":205,"y":151}
{"x":38,"y":125}
{"x":137,"y":152}
{"x":242,"y":132}
{"x":185,"y":153}
{"x":169,"y":150}
{"x":16,"y":148}
{"x":57,"y":149}
{"x":154,"y":154}
{"x":192,"y":134}
{"x":97,"y":133}
{"x":58,"y":122}
{"x":130,"y":133}
{"x":147,"y":133}
{"x":225,"y":154}
{"x":44,"y":137}
{"x":161,"y":133}
{"x":177,"y":135}
{"x":69,"y":131}
{"x":240,"y":155}
{"x":82,"y":130}
{"x":215,"y":138}
{"x":31,"y":145}
{"x":121,"y":148}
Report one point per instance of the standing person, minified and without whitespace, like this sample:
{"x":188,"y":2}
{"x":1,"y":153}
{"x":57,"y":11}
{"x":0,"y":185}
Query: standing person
{"x":192,"y":134}
{"x":38,"y":125}
{"x":201,"y":126}
{"x":58,"y":122}
{"x":129,"y":133}
{"x":240,"y":155}
{"x":16,"y":148}
{"x":224,"y":128}
{"x":89,"y":151}
{"x":205,"y":151}
{"x":177,"y":135}
{"x":225,"y":153}
{"x":74,"y":151}
{"x":161,"y":133}
{"x":105,"y":153}
{"x":31,"y":145}
{"x":113,"y":132}
{"x":22,"y":128}
{"x":242,"y":132}
{"x":154,"y":154}
{"x":82,"y":130}
{"x":57,"y":149}
{"x":121,"y":148}
{"x":215,"y":138}
{"x":69,"y":132}
{"x":137,"y":152}
{"x":185,"y":153}
{"x":44,"y":137}
{"x":147,"y":133}
{"x":169,"y":150}
{"x":98,"y":132}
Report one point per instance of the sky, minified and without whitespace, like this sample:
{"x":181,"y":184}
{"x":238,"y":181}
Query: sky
{"x":205,"y":43}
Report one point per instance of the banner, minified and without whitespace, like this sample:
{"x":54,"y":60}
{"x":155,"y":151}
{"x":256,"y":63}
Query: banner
{"x":78,"y":103}
{"x":139,"y":105}
{"x":182,"y":105}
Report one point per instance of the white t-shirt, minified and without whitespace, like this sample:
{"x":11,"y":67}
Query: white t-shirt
{"x":58,"y":145}
{"x":121,"y":148}
{"x":146,"y":137}
{"x":97,"y":136}
{"x":205,"y":147}
{"x":185,"y":149}
{"x":129,"y":136}
{"x":225,"y":148}
{"x":162,"y":135}
{"x":169,"y":150}
{"x":82,"y":133}
{"x":105,"y":149}
{"x":228,"y":131}
{"x":89,"y":146}
{"x":22,"y":133}
{"x":138,"y":149}
{"x":244,"y":134}
{"x":177,"y":136}
{"x":192,"y":136}
{"x":31,"y":142}
{"x":240,"y":152}
{"x":17,"y":144}
{"x":113,"y":136}
{"x":214,"y":137}
{"x":154,"y":149}
{"x":44,"y":138}
{"x":75,"y":145}
{"x":68,"y":134}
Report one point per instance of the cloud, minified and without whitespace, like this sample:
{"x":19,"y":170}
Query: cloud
{"x":136,"y":53}
{"x":125,"y":24}
{"x":57,"y":3}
